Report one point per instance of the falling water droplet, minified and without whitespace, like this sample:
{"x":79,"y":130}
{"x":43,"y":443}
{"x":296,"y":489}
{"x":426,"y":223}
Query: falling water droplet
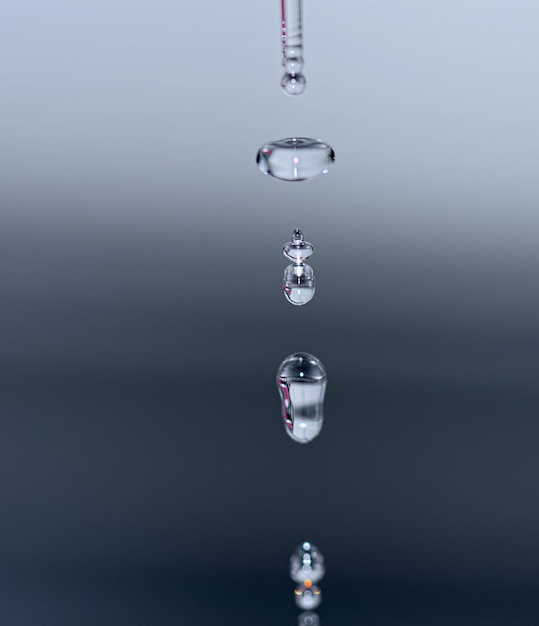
{"x":307,"y":563}
{"x":302,"y":381}
{"x":308,"y":618}
{"x":295,"y":158}
{"x":308,"y":595}
{"x":298,"y":279}
{"x":293,"y":82}
{"x":298,"y":284}
{"x":298,"y":250}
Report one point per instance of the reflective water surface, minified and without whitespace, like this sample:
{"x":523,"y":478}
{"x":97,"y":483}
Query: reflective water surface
{"x":114,"y":596}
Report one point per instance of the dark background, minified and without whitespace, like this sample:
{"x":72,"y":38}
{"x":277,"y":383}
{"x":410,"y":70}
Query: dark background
{"x":145,"y":475}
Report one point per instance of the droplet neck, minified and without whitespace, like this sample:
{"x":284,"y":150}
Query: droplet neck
{"x":297,"y":249}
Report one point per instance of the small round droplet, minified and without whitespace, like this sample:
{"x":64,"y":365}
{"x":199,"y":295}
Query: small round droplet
{"x":301,"y":381}
{"x":308,"y":618}
{"x":295,"y":158}
{"x":298,"y":284}
{"x":293,"y":84}
{"x":308,"y":596}
{"x":307,"y":563}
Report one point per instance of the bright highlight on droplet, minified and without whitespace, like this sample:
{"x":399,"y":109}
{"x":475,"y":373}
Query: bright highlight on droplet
{"x":295,"y":158}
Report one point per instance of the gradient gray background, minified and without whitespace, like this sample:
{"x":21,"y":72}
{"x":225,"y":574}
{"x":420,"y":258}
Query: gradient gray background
{"x":143,"y":463}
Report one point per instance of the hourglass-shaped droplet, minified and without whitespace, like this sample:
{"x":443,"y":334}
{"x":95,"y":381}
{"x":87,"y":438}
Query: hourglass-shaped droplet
{"x":308,"y":595}
{"x":297,"y":249}
{"x":293,"y":82}
{"x":308,"y":618}
{"x":298,"y":279}
{"x":307,"y":563}
{"x":295,"y":158}
{"x":302,"y":381}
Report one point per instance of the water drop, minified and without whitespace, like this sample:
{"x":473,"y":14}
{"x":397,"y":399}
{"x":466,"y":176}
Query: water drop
{"x":298,"y":279}
{"x":307,"y":563}
{"x":293,"y":82}
{"x":308,"y":618}
{"x":297,"y":249}
{"x":295,"y":158}
{"x":308,"y":595}
{"x":302,"y":381}
{"x":298,"y":284}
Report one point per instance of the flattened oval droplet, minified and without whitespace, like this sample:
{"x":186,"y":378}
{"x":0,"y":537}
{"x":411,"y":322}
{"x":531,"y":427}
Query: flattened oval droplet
{"x":295,"y":158}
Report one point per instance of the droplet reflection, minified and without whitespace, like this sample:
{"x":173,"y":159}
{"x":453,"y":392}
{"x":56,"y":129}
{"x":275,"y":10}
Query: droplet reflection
{"x":308,"y":618}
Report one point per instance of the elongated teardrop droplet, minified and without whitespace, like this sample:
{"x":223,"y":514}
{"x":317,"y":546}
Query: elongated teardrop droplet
{"x":307,"y":563}
{"x":295,"y":158}
{"x":293,"y":82}
{"x":302,"y":381}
